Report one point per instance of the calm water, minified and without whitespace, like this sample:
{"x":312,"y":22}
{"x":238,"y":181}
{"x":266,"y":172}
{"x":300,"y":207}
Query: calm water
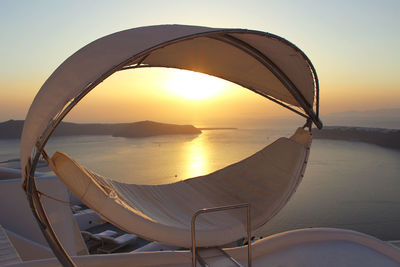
{"x":346,"y":185}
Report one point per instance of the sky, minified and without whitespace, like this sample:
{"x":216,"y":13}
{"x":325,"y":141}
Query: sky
{"x":354,"y":46}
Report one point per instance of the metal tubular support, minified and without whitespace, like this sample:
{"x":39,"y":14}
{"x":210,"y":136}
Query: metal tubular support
{"x":268,"y":63}
{"x":42,"y":219}
{"x":215,"y":209}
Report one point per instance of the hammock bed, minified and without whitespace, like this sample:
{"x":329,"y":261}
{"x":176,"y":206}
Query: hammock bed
{"x":261,"y":62}
{"x":163,"y":212}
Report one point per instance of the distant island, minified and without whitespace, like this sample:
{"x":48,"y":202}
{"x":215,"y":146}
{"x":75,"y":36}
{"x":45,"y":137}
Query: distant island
{"x":389,"y":138}
{"x":13,"y":129}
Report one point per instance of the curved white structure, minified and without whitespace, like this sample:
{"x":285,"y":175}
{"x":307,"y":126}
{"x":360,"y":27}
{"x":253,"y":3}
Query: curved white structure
{"x":261,"y":62}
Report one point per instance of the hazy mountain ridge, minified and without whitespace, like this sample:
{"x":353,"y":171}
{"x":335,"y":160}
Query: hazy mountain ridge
{"x":380,"y":118}
{"x":392,"y":112}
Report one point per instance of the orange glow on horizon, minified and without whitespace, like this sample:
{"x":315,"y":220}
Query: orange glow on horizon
{"x":148,"y":94}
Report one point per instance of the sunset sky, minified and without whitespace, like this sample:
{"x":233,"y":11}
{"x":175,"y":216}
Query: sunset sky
{"x":354,"y":46}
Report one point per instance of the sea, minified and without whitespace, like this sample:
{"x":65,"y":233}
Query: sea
{"x":350,"y":185}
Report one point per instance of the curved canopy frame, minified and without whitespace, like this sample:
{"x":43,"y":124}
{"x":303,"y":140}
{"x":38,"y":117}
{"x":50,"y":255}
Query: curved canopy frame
{"x":261,"y":62}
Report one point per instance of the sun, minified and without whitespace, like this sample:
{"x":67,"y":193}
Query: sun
{"x":194,"y":86}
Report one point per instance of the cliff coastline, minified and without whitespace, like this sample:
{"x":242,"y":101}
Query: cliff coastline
{"x":389,"y":138}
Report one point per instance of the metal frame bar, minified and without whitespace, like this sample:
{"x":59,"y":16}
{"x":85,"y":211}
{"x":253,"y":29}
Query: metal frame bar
{"x":275,"y":70}
{"x":202,"y":262}
{"x":212,"y":34}
{"x":45,"y":226}
{"x":229,"y":256}
{"x":253,"y":90}
{"x":279,"y":74}
{"x":30,"y":185}
{"x":216,"y":209}
{"x":267,"y":66}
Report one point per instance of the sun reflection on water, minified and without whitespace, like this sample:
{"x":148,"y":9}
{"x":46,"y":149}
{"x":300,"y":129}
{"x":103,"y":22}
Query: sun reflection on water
{"x":196,"y":155}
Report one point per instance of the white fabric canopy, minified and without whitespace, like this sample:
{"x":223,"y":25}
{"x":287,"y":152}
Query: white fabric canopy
{"x":236,"y":55}
{"x":266,"y":180}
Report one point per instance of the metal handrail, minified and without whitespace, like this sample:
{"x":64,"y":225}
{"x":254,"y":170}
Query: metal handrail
{"x":222,"y":208}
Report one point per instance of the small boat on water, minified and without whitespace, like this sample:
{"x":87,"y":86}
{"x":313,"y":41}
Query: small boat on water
{"x":206,"y":220}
